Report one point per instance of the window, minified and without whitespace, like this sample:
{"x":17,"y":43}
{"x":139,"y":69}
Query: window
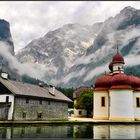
{"x":119,"y":68}
{"x":49,"y":103}
{"x":27,"y":100}
{"x":80,"y":112}
{"x":24,"y":115}
{"x":40,"y":102}
{"x":7,"y":99}
{"x":39,"y":115}
{"x":102,"y":101}
{"x":137,"y":101}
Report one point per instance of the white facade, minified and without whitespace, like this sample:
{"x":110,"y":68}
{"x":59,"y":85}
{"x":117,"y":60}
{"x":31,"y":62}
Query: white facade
{"x":118,"y":67}
{"x":121,"y":104}
{"x":11,"y":99}
{"x":100,"y":112}
{"x":136,"y":109}
{"x":80,"y":112}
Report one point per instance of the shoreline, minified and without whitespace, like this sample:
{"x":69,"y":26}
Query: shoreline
{"x":71,"y":120}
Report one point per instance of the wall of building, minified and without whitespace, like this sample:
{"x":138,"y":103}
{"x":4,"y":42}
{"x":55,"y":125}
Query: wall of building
{"x":10,"y":110}
{"x":51,"y":110}
{"x":80,"y":112}
{"x":121,"y":105}
{"x":115,"y":67}
{"x":136,"y":109}
{"x":100,"y":112}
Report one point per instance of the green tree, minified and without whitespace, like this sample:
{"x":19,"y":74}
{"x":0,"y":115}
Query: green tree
{"x":67,"y":92}
{"x":85,"y":101}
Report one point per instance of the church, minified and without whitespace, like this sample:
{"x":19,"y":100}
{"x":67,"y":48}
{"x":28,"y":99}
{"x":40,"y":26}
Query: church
{"x":116,"y":95}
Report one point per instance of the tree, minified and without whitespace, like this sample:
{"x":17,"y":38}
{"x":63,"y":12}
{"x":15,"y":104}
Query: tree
{"x":67,"y":92}
{"x":85,"y":101}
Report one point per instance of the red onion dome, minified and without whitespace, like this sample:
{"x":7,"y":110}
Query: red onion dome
{"x":103,"y":82}
{"x":117,"y":59}
{"x":135,"y":82}
{"x":120,"y":81}
{"x":110,"y":66}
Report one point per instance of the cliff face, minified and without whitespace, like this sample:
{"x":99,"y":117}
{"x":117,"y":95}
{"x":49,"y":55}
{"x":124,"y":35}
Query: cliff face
{"x":6,"y":38}
{"x":5,"y":34}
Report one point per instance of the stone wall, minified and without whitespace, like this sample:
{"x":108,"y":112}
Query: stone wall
{"x":4,"y":111}
{"x":47,"y":110}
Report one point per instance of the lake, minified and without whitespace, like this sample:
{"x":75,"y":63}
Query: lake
{"x":89,"y":131}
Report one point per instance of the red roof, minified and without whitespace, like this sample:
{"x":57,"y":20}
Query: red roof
{"x":120,"y":80}
{"x":117,"y":58}
{"x":103,"y":82}
{"x":135,"y":82}
{"x":117,"y":80}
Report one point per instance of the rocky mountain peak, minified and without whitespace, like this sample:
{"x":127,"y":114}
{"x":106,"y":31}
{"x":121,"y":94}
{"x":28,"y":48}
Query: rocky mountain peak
{"x":74,"y":54}
{"x":128,"y":9}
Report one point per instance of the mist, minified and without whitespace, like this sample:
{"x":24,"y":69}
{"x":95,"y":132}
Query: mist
{"x":30,"y":69}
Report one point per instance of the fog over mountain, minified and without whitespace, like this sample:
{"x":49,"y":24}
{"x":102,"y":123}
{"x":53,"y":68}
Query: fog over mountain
{"x":75,"y":54}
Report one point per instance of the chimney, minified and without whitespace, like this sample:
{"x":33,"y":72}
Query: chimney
{"x":52,"y":90}
{"x":4,"y":75}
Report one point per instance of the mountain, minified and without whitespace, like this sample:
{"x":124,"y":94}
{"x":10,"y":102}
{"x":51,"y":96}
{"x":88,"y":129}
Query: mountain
{"x":5,"y":34}
{"x":59,"y":49}
{"x":6,"y":40}
{"x":75,"y":54}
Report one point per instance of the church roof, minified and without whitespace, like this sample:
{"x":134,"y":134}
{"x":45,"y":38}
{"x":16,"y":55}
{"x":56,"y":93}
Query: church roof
{"x":120,"y":81}
{"x":117,"y":80}
{"x":117,"y":58}
{"x":103,"y":82}
{"x":135,"y":82}
{"x":25,"y":89}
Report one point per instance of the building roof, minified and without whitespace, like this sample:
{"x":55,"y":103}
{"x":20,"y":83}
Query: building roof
{"x":79,"y":90}
{"x":117,"y":80}
{"x":25,"y":89}
{"x":117,"y":58}
{"x":103,"y":82}
{"x":120,"y":81}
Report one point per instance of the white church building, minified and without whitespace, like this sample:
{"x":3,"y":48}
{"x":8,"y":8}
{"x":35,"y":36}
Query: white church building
{"x":116,"y":96}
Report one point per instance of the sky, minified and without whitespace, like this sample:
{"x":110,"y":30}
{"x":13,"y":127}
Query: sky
{"x":33,"y":19}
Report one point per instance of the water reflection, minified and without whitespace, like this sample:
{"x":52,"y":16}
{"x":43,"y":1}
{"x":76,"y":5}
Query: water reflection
{"x":72,"y":131}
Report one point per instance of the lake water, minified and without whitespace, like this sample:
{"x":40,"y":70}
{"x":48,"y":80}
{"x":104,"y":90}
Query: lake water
{"x":88,"y":131}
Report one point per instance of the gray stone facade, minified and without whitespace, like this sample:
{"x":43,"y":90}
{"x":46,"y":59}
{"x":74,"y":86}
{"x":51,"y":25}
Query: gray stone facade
{"x":4,"y":108}
{"x":39,"y":109}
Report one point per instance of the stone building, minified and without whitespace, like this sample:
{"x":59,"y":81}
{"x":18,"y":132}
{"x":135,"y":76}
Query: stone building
{"x":22,"y":101}
{"x":116,"y":94}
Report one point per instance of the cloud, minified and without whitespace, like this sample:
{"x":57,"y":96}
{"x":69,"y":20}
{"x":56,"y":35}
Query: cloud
{"x":131,"y":60}
{"x":96,"y":71}
{"x":33,"y":19}
{"x":68,"y":77}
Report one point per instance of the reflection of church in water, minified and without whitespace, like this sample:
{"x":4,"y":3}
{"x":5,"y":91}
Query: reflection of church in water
{"x":116,"y":132}
{"x":117,"y":95}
